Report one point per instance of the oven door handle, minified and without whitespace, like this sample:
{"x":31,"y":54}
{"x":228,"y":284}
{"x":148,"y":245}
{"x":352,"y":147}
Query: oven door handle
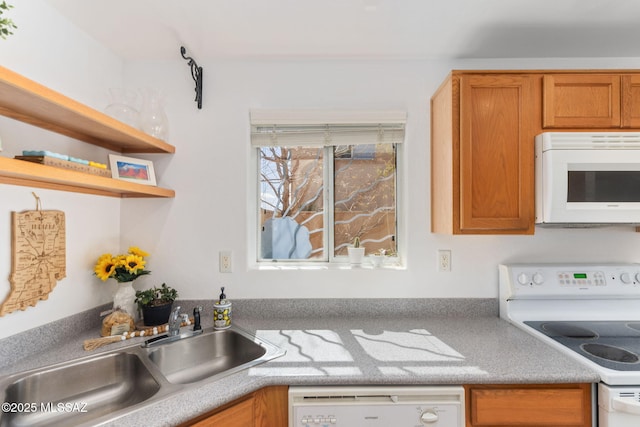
{"x":625,"y":405}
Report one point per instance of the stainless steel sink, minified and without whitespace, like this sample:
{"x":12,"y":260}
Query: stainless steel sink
{"x":102,"y":388}
{"x":87,"y":390}
{"x":211,"y":355}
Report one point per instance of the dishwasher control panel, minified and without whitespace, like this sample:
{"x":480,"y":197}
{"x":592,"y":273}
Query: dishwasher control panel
{"x":410,"y":406}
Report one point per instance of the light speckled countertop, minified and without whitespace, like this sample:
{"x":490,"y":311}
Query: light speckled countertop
{"x":353,"y":343}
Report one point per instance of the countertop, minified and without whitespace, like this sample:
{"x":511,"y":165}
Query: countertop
{"x":356,"y":347}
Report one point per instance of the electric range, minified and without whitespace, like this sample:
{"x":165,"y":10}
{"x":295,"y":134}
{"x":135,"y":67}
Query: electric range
{"x":591,"y":312}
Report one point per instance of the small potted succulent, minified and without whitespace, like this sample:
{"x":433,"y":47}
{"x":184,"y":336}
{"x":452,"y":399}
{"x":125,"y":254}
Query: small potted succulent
{"x":156,"y":304}
{"x":356,"y":252}
{"x":377,"y":259}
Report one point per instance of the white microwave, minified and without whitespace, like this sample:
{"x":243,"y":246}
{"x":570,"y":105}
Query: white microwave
{"x":587,"y":178}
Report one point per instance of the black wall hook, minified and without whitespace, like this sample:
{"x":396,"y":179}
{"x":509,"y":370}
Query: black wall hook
{"x":196,"y":73}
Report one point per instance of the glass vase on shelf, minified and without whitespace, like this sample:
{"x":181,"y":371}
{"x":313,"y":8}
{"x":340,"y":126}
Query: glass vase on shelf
{"x":122,"y":106}
{"x":124,"y":298}
{"x":153,"y":119}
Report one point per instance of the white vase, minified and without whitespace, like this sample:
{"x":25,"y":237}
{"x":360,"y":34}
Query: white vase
{"x":124,"y":298}
{"x":376,"y":260}
{"x":355,"y":255}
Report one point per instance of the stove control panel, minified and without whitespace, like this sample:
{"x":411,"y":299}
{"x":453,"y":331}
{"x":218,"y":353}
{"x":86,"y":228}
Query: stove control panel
{"x":582,"y":278}
{"x":569,"y":280}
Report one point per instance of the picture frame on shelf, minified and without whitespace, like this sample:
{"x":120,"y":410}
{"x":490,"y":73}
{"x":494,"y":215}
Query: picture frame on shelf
{"x":132,"y":170}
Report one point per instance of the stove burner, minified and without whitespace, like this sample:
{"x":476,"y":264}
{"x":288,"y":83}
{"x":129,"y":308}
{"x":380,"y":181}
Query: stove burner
{"x":564,"y":329}
{"x":608,"y":352}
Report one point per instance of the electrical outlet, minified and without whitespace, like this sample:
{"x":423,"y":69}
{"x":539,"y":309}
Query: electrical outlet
{"x":226,"y":265}
{"x":444,"y":260}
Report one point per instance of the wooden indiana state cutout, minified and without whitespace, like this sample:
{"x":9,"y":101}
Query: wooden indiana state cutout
{"x":38,"y":251}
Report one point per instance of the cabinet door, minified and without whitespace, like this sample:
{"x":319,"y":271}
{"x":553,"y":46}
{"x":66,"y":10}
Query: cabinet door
{"x":266,"y":407}
{"x":534,"y":406}
{"x":239,"y":415}
{"x":581,"y":101}
{"x":496,"y":154}
{"x":631,"y":101}
{"x":271,"y":407}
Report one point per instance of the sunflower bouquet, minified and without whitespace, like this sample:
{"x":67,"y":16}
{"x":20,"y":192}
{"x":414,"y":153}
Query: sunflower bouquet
{"x":123,"y":268}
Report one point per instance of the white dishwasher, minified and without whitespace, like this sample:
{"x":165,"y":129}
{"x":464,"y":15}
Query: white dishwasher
{"x":376,"y":406}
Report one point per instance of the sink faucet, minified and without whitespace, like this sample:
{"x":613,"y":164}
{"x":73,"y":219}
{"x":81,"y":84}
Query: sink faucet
{"x":174,"y":322}
{"x":173,"y":332}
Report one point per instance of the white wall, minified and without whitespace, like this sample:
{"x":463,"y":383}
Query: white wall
{"x":49,"y":50}
{"x":210,"y":173}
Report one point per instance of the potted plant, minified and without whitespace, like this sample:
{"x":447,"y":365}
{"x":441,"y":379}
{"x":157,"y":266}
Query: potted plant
{"x":382,"y":257}
{"x":156,"y":304}
{"x":356,"y":252}
{"x":377,"y":259}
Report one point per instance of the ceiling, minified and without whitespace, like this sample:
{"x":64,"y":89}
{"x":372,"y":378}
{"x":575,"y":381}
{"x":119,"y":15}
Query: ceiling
{"x":407,"y":29}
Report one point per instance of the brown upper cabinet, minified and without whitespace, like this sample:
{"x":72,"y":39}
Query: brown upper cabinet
{"x":483,"y":128}
{"x":591,"y":101}
{"x":482,"y":154}
{"x":630,"y":109}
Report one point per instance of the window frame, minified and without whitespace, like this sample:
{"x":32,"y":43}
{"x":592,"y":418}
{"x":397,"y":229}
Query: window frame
{"x":332,"y":261}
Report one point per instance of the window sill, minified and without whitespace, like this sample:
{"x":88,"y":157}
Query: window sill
{"x":284,"y":266}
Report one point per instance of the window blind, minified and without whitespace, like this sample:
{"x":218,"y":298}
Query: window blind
{"x":326,"y":128}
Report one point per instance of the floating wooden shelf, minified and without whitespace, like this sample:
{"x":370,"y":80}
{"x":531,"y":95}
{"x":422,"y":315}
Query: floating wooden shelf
{"x":27,"y":101}
{"x":30,"y":102}
{"x":20,"y":172}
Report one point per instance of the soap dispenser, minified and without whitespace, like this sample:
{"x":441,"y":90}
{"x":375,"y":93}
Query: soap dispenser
{"x":222,"y":312}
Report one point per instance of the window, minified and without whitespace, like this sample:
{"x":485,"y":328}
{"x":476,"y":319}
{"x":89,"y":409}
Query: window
{"x":325,"y":179}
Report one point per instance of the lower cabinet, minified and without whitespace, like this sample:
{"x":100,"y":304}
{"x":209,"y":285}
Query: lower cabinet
{"x":500,"y":405}
{"x":266,"y":407}
{"x":547,"y":405}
